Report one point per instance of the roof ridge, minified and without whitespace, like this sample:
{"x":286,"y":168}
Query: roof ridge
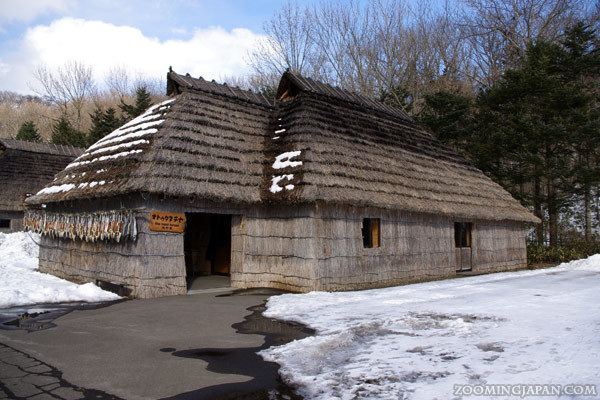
{"x":223,"y":89}
{"x":311,"y":85}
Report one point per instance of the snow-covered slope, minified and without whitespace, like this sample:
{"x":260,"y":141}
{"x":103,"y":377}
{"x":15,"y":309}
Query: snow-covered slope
{"x":21,"y":284}
{"x":418,"y":341}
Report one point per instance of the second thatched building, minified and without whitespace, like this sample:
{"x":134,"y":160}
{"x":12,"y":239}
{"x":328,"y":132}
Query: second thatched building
{"x":25,"y":168}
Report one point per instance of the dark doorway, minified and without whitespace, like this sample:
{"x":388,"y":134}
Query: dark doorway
{"x":207,"y":245}
{"x":462,"y":242}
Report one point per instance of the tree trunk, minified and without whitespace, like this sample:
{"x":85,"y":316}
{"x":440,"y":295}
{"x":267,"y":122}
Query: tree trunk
{"x":552,"y":215}
{"x":587,"y":204}
{"x":537,"y":211}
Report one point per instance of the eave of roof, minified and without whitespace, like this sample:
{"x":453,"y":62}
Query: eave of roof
{"x":41,"y":147}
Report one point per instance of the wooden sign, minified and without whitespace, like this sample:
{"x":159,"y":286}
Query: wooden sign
{"x":167,"y":222}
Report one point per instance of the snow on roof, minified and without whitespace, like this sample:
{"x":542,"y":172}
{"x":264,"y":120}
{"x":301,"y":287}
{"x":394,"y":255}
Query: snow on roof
{"x":284,"y":160}
{"x":276,"y":187}
{"x":121,"y":143}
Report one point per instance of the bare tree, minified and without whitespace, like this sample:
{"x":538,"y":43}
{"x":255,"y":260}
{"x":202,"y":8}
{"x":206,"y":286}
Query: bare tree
{"x":499,"y":31}
{"x":118,"y":82}
{"x":70,"y":85}
{"x":288,"y":45}
{"x":384,"y":48}
{"x":122,"y":83}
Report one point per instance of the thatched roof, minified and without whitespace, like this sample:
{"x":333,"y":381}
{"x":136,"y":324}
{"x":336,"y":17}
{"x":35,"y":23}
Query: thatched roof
{"x":26,"y":167}
{"x":316,"y":143}
{"x":355,"y":153}
{"x":205,"y":141}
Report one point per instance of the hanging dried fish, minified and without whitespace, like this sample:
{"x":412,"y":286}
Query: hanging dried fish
{"x":91,"y":227}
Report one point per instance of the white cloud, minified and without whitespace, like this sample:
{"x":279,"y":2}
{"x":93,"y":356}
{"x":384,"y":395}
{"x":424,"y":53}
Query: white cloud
{"x":26,"y":10}
{"x":211,"y":53}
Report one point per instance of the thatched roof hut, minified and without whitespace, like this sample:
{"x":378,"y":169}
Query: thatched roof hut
{"x":25,"y":168}
{"x":314,"y":155}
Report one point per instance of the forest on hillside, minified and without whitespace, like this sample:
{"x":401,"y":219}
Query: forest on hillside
{"x":514,"y":86}
{"x":70,"y":107}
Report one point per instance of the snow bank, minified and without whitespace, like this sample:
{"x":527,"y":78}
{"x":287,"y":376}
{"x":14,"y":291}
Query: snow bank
{"x":418,"y":341}
{"x":21,"y":284}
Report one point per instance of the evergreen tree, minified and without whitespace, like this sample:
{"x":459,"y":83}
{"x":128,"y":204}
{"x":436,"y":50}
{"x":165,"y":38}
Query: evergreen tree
{"x":526,"y":130}
{"x":143,"y":100}
{"x":580,"y":65}
{"x":103,"y":123}
{"x":64,"y":133}
{"x":449,"y":116}
{"x":535,"y":131}
{"x":398,"y":97}
{"x":29,"y":132}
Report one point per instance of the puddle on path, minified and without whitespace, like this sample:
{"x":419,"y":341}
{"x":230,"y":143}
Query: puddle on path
{"x":40,"y":316}
{"x":265,"y":382}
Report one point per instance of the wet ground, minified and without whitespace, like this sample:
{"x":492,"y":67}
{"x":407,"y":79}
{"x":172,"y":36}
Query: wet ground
{"x":225,"y":364}
{"x":265,"y":383}
{"x":41,"y":316}
{"x":24,"y":377}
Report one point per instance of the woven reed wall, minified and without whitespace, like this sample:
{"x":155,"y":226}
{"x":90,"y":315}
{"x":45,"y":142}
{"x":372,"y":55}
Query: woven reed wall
{"x":274,"y":248}
{"x":414,"y":247}
{"x":16,"y":221}
{"x":298,"y":248}
{"x":152,"y":266}
{"x":499,"y":246}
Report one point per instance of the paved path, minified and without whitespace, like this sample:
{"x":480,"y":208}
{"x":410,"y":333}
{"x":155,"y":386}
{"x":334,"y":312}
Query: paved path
{"x":24,"y":377}
{"x":132,"y":350}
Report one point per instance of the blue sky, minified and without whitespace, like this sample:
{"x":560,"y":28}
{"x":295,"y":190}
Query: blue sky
{"x":209,"y":38}
{"x":159,"y":18}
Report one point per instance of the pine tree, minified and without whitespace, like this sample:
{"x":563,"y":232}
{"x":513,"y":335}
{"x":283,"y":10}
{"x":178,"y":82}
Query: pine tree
{"x":64,"y":133}
{"x":29,"y":132}
{"x":449,"y":116}
{"x":525,"y":134}
{"x":580,"y":66}
{"x":103,"y":123}
{"x":143,"y":100}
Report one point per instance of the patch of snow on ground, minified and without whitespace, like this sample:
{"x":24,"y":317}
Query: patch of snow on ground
{"x":418,"y":341}
{"x":22,"y":284}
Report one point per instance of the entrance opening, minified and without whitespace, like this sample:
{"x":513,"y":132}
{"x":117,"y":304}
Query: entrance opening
{"x":462,"y":243}
{"x":207,"y":246}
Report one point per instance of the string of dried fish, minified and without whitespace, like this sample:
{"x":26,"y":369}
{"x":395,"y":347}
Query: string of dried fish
{"x":91,"y":227}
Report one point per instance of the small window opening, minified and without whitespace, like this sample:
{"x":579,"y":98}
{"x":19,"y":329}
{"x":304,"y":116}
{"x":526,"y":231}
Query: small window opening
{"x":371,"y":232}
{"x":462,"y":234}
{"x":4,"y":223}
